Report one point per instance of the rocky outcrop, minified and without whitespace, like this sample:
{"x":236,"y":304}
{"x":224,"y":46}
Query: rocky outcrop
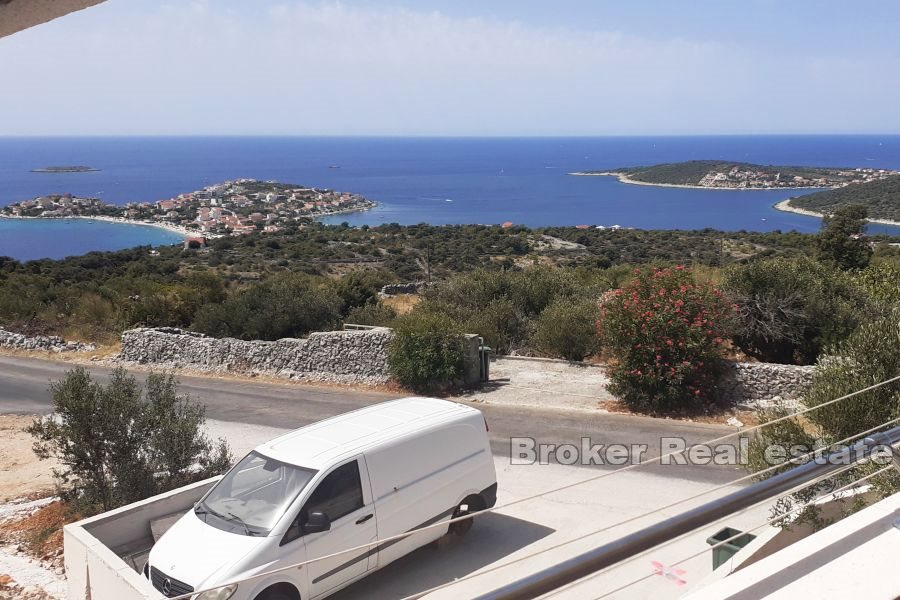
{"x":761,"y":385}
{"x":336,"y":356}
{"x":46,"y":343}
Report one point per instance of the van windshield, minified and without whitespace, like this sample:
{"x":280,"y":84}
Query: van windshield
{"x":253,"y":495}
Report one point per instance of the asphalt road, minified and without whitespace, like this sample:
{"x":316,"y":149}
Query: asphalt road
{"x":24,"y":384}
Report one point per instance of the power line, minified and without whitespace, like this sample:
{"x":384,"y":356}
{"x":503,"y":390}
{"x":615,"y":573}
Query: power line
{"x":769,"y":522}
{"x":795,"y":460}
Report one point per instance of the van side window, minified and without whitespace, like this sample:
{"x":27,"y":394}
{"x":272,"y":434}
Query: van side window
{"x":339,"y":494}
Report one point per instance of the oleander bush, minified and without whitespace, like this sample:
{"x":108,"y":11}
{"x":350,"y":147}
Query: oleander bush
{"x":665,"y":334}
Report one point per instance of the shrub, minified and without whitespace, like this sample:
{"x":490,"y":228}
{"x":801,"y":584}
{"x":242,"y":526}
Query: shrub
{"x":866,"y":357}
{"x":665,"y":334}
{"x":373,"y":313}
{"x":499,"y":305}
{"x":789,"y":309}
{"x":427,"y":351}
{"x":286,"y":305}
{"x":566,"y":329}
{"x":119,"y":443}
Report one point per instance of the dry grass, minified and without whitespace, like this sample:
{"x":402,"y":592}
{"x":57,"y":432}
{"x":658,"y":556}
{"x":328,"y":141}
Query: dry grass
{"x":402,"y":303}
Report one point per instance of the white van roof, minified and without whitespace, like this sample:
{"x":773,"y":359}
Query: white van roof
{"x":321,"y":444}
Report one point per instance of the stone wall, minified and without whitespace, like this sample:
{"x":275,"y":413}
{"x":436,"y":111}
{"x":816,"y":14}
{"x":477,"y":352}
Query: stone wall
{"x":761,"y":385}
{"x":335,"y":356}
{"x":338,"y":356}
{"x":46,"y":343}
{"x":394,"y":289}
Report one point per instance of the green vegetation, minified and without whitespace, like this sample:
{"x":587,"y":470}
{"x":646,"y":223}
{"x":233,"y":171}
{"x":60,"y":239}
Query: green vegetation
{"x":740,"y":174}
{"x":427,"y":352}
{"x":665,"y":333}
{"x":98,"y":295}
{"x":881,"y":198}
{"x":566,"y":329}
{"x":842,"y":241}
{"x":866,"y":357}
{"x":119,"y":443}
{"x":789,"y":309}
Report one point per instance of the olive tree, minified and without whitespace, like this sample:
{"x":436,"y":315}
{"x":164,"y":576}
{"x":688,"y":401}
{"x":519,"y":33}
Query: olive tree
{"x":120,"y":442}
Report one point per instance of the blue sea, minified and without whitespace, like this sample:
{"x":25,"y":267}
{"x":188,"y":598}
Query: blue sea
{"x":419,"y":180}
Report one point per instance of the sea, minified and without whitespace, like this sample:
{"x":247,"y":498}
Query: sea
{"x":418,"y":180}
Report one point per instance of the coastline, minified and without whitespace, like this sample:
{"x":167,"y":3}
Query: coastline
{"x":182,"y":231}
{"x":785,"y":206}
{"x":623,"y":178}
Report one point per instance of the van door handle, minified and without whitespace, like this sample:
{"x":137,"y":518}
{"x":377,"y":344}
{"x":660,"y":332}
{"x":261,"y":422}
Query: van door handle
{"x":362,"y":520}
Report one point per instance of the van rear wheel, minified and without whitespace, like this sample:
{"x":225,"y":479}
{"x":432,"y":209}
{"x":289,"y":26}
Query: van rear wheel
{"x":470,"y":505}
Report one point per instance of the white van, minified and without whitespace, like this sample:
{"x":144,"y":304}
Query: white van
{"x":337,"y":484}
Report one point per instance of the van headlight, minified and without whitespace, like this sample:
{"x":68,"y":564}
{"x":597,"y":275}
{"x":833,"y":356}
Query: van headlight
{"x":223,"y":593}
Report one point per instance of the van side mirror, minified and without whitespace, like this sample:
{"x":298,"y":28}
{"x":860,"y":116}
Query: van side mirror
{"x":316,"y":522}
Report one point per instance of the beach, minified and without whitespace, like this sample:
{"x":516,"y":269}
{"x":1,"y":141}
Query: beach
{"x":180,"y":230}
{"x":785,"y":205}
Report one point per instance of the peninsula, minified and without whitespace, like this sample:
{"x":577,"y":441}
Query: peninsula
{"x":232,"y":207}
{"x":714,"y":174}
{"x":73,"y":169}
{"x":881,"y":198}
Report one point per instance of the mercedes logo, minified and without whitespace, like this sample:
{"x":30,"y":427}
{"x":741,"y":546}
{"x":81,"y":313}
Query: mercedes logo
{"x":167,"y":587}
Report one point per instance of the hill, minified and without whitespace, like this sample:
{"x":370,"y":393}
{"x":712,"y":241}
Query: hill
{"x":881,"y":197}
{"x":739,"y":175}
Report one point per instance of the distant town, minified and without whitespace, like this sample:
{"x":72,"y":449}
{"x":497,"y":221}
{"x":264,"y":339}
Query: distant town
{"x":731,"y":175}
{"x":233,"y":207}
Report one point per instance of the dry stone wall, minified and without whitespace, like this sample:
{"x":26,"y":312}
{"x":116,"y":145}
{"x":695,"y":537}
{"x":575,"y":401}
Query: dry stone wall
{"x":762,"y":385}
{"x":336,"y":356}
{"x":46,"y":343}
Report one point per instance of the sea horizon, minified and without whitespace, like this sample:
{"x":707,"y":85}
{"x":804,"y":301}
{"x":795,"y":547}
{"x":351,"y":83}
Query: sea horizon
{"x":439,"y":179}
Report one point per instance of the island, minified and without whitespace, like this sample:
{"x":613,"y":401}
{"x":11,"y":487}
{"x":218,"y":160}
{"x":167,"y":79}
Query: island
{"x":880,"y":197}
{"x":73,"y":169}
{"x":716,"y":174}
{"x":233,"y":207}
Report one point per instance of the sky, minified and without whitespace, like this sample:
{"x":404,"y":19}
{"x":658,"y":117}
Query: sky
{"x":456,"y":68}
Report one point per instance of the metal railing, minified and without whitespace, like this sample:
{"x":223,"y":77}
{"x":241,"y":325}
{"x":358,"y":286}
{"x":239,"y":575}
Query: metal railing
{"x":632,"y":544}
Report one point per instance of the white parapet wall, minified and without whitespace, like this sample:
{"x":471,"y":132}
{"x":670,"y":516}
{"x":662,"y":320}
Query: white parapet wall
{"x":104,"y":553}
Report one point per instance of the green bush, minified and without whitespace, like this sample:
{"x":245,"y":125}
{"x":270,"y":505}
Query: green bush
{"x":499,"y":306}
{"x":842,"y":241}
{"x":286,"y":305}
{"x":119,"y":443}
{"x":789,"y":309}
{"x":373,"y":313}
{"x":665,"y":333}
{"x":869,"y":356}
{"x":567,"y":329}
{"x":427,"y":352}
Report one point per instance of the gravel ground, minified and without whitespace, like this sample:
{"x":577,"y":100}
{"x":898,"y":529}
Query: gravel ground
{"x":22,"y":577}
{"x":546,"y":384}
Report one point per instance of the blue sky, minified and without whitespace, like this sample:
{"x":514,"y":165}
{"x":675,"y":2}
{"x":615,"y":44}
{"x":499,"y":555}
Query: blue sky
{"x":424,"y":67}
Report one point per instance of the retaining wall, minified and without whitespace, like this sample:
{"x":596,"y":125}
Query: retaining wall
{"x":47,"y":343}
{"x":761,"y":385}
{"x":334,"y":356}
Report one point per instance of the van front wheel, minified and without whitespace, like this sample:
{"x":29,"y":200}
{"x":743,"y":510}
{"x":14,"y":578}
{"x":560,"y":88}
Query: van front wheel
{"x":470,"y":505}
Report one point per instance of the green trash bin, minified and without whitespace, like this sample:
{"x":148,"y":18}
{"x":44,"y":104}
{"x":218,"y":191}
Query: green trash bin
{"x":723,"y":552}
